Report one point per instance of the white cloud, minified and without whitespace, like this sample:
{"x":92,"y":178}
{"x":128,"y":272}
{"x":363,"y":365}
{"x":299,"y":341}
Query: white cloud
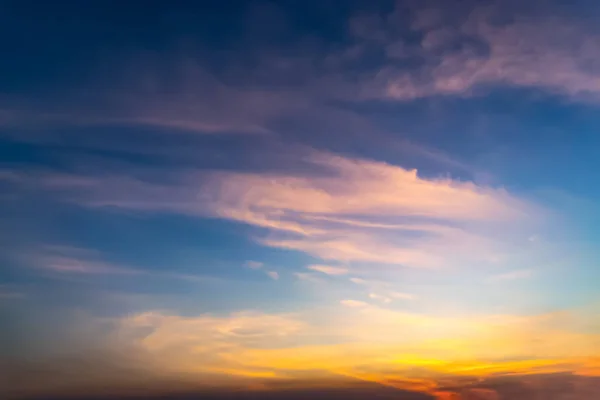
{"x":273,"y":275}
{"x":400,"y":295}
{"x":359,"y":281}
{"x":512,"y":275}
{"x":309,"y":277}
{"x":328,"y":269}
{"x":356,"y":210}
{"x":379,"y":297}
{"x":365,"y":214}
{"x":256,"y":265}
{"x":353,"y":303}
{"x":339,"y":216}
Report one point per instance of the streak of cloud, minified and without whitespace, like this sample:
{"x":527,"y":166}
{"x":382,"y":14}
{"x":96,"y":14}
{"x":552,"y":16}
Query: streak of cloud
{"x":254,"y":264}
{"x":273,"y":275}
{"x":336,"y":215}
{"x":390,"y":342}
{"x":328,"y":269}
{"x":353,"y":303}
{"x":513,"y":275}
{"x":339,"y":215}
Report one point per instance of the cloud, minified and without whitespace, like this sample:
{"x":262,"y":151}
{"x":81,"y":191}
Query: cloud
{"x":387,"y":340}
{"x":356,"y":339}
{"x":341,"y":192}
{"x":198,"y":102}
{"x":186,"y":99}
{"x":382,"y":291}
{"x":340,"y":214}
{"x":60,"y":260}
{"x":309,"y":277}
{"x":513,"y":275}
{"x":366,"y":214}
{"x":254,"y":264}
{"x":400,"y":295}
{"x":353,"y":303}
{"x":214,"y":339}
{"x":467,"y":393}
{"x":468,"y":48}
{"x":328,"y":269}
{"x":354,"y":210}
{"x":273,"y":275}
{"x":259,"y":266}
{"x":366,"y":342}
{"x":11,"y":292}
{"x":379,"y":297}
{"x":73,"y":260}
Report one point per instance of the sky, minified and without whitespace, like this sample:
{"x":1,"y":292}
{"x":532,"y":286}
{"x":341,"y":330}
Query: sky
{"x":257,"y":195}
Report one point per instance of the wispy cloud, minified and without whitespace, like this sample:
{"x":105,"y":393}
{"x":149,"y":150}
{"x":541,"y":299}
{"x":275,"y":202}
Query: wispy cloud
{"x":381,"y":240}
{"x":254,"y":264}
{"x":400,"y":295}
{"x":353,"y":303}
{"x":309,"y":277}
{"x":455,"y":56}
{"x":73,"y":260}
{"x":11,"y":292}
{"x":379,"y":297}
{"x":359,"y":281}
{"x":390,"y":343}
{"x":512,"y":275}
{"x":207,"y":333}
{"x":198,"y":103}
{"x":328,"y":269}
{"x":62,"y":260}
{"x":339,"y":216}
{"x":382,"y":291}
{"x":187,"y":100}
{"x":273,"y":275}
{"x":353,"y":211}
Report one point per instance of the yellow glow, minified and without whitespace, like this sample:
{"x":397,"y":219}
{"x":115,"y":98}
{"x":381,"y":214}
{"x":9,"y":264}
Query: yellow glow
{"x":372,"y":344}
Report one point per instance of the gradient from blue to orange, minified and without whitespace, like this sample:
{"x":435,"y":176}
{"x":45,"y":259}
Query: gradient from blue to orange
{"x":264,"y":193}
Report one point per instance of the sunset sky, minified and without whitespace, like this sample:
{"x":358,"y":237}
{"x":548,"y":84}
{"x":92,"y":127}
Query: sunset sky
{"x":299,"y":194}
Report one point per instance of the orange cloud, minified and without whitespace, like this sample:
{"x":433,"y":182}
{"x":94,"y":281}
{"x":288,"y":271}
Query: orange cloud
{"x":446,"y":395}
{"x":370,"y":343}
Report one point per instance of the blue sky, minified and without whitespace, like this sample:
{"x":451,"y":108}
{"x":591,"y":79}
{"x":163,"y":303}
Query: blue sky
{"x":222,"y":185}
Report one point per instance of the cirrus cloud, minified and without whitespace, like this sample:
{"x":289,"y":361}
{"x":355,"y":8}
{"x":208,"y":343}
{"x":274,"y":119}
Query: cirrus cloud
{"x":328,"y":269}
{"x":356,"y":211}
{"x":366,"y":211}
